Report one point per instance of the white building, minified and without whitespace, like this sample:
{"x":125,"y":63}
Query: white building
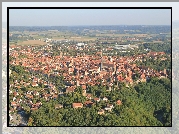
{"x":80,"y":44}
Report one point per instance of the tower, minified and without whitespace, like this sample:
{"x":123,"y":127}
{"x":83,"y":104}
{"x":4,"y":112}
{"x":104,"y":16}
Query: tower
{"x":101,"y":66}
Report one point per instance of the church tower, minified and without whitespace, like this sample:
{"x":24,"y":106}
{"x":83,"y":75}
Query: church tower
{"x":101,"y":66}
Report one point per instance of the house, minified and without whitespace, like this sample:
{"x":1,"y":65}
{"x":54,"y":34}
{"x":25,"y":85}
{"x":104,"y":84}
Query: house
{"x":101,"y":111}
{"x":57,"y":106}
{"x":29,"y":96}
{"x":70,"y":89}
{"x":13,"y":103}
{"x":89,"y":96}
{"x":34,"y":108}
{"x":45,"y":83}
{"x":77,"y":105}
{"x":83,"y":87}
{"x":88,"y":103}
{"x":105,"y":99}
{"x":128,"y":80}
{"x":38,"y":104}
{"x":109,"y":107}
{"x":96,"y":99}
{"x":36,"y":93}
{"x":34,"y":84}
{"x":15,"y":94}
{"x":118,"y":102}
{"x":47,"y":95}
{"x":19,"y":100}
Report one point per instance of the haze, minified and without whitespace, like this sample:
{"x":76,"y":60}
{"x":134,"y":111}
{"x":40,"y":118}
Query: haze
{"x":69,"y":17}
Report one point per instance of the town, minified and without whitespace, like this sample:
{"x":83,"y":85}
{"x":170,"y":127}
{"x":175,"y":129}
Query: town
{"x":40,"y":74}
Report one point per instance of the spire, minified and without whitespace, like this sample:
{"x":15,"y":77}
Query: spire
{"x":101,"y":61}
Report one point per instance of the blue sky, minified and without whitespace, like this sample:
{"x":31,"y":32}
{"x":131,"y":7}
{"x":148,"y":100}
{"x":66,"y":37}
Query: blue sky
{"x":58,"y":17}
{"x":91,"y":17}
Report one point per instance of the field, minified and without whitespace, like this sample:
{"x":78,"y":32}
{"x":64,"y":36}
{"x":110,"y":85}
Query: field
{"x":32,"y":42}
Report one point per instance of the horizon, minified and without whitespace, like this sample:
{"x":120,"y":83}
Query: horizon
{"x":91,"y":25}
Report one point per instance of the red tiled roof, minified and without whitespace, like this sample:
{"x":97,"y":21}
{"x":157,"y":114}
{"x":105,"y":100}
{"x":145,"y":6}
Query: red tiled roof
{"x":119,"y":102}
{"x":95,"y":99}
{"x":83,"y":87}
{"x":70,"y":89}
{"x":13,"y":103}
{"x":142,"y":76}
{"x":76,"y":105}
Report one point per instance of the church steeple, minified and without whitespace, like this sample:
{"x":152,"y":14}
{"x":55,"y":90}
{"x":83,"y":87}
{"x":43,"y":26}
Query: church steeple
{"x":101,"y":66}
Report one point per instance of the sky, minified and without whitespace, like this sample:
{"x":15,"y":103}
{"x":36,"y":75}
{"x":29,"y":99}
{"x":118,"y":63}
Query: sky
{"x":90,"y":17}
{"x":66,"y":17}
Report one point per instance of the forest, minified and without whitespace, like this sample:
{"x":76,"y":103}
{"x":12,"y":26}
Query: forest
{"x":157,"y":47}
{"x":157,"y":64}
{"x":144,"y":104}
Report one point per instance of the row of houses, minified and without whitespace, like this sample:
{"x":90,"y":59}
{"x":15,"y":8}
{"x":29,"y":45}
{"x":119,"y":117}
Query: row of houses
{"x":108,"y":107}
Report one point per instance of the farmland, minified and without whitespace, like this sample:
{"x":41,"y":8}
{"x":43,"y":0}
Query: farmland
{"x":100,"y":34}
{"x":32,"y":42}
